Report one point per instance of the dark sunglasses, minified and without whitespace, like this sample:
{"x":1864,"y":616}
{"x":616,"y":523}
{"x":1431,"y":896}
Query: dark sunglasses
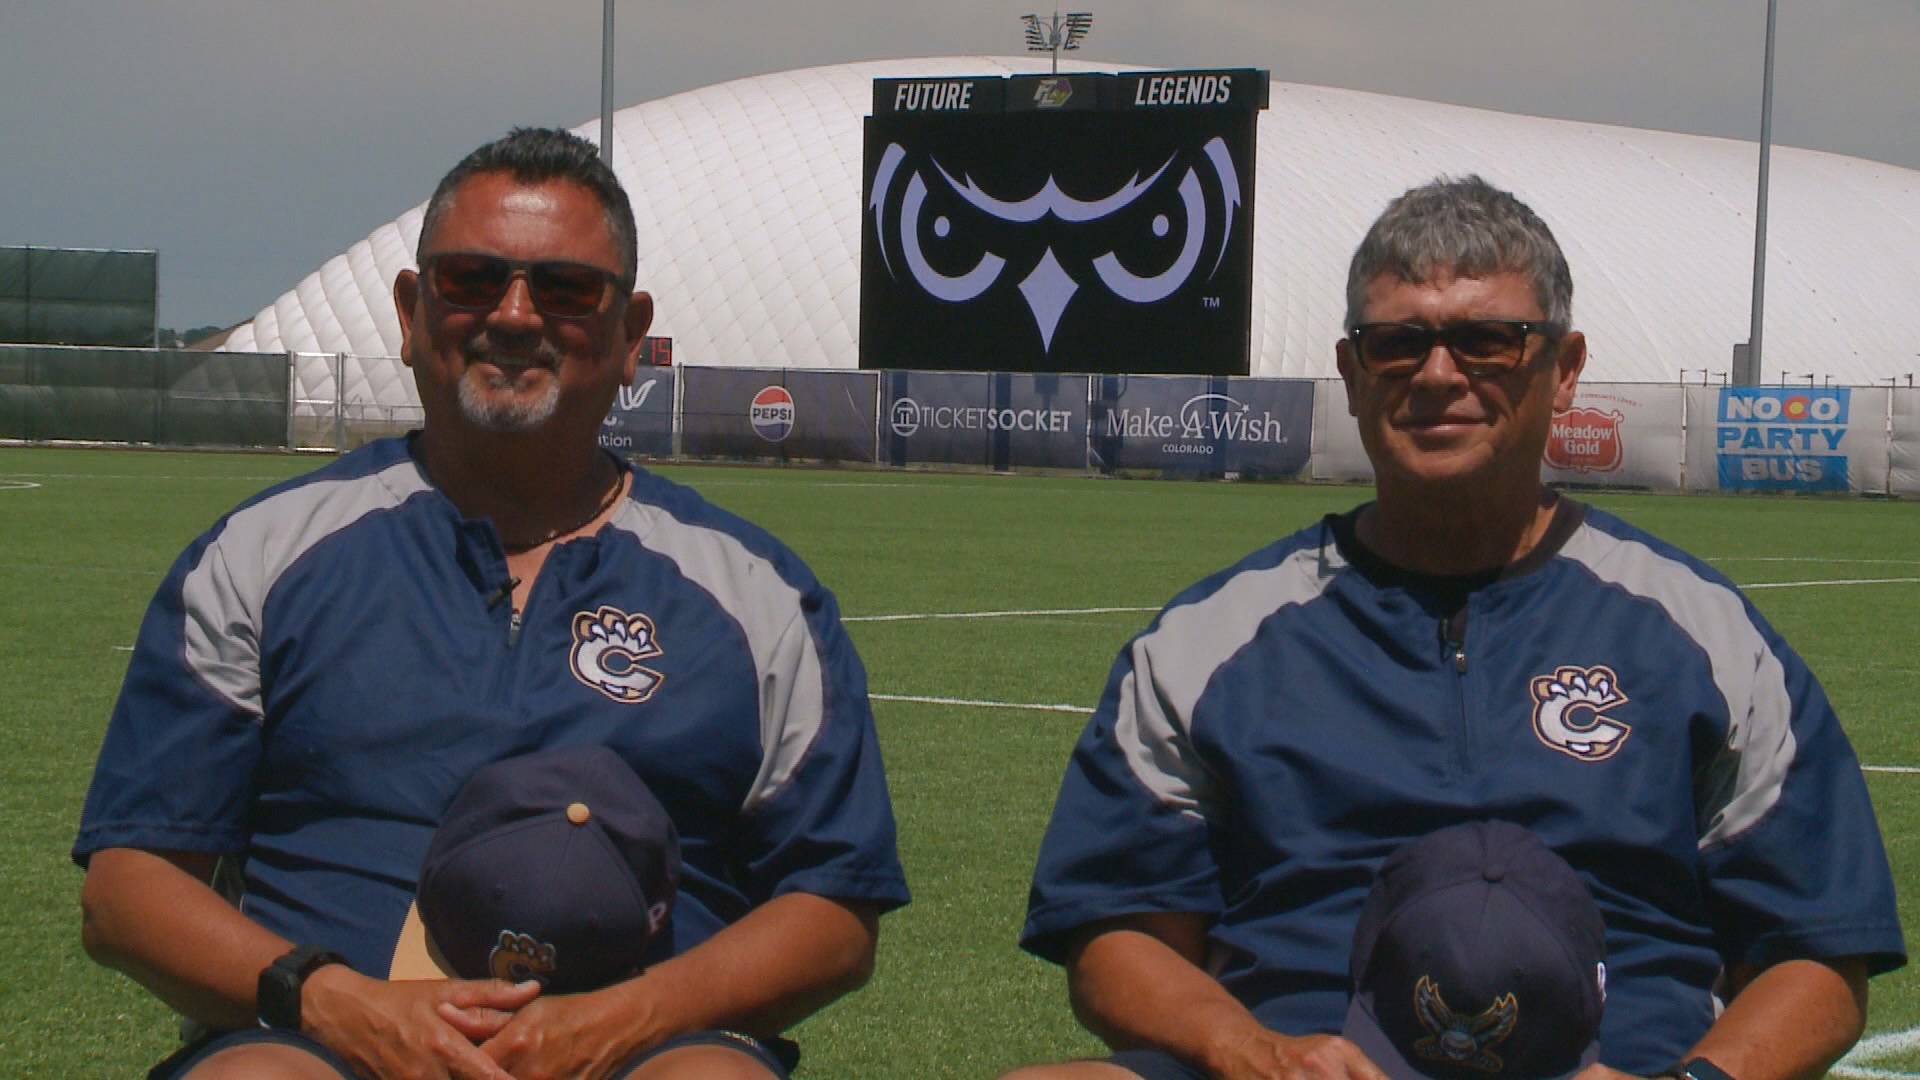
{"x":1480,"y":347}
{"x":475,"y":282}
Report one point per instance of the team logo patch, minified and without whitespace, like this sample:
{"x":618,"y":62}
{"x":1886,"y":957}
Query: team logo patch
{"x":772,"y":413}
{"x":1455,"y":1039}
{"x":518,"y":957}
{"x":1569,"y":712}
{"x":608,"y":646}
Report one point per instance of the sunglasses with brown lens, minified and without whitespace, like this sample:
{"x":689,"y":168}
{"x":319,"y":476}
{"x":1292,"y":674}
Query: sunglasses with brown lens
{"x":472,"y":281}
{"x":1480,"y":347}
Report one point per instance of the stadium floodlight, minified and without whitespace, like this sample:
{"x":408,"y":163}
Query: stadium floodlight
{"x":1057,"y":33}
{"x":606,"y":82}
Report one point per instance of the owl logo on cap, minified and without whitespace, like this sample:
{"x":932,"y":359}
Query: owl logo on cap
{"x":608,"y":646}
{"x":1462,"y":1040}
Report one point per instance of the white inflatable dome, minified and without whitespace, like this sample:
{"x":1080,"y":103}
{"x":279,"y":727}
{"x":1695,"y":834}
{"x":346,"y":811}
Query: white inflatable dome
{"x":747,"y":196}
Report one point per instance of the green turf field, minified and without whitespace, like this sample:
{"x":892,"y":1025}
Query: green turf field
{"x":82,"y":549}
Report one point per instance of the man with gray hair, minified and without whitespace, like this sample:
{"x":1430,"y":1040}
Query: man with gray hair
{"x":1469,"y":646}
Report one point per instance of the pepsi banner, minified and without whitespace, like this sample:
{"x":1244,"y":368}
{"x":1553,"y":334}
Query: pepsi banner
{"x":1776,"y":438}
{"x":1076,"y":229}
{"x":1000,"y":421}
{"x":1250,"y":427}
{"x":782,"y":414}
{"x":640,"y":424}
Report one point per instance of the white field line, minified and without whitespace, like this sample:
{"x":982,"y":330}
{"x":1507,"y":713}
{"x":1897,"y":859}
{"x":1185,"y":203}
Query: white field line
{"x":1840,"y":581}
{"x":1033,"y":613}
{"x":143,"y":476}
{"x":971,"y":704}
{"x":16,"y":485}
{"x":1814,"y":559}
{"x":1869,"y":1051}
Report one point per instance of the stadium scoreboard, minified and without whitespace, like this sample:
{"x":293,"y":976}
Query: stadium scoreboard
{"x":1098,"y":223}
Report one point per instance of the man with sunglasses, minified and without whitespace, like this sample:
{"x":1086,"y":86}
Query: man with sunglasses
{"x":1468,"y":646}
{"x":323,"y":669}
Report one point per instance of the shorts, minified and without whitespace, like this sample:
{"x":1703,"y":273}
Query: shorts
{"x":777,"y":1055}
{"x":1155,"y":1065}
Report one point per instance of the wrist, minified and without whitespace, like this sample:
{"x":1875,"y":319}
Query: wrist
{"x":1227,"y":1040}
{"x":1697,"y":1068}
{"x":280,"y":992}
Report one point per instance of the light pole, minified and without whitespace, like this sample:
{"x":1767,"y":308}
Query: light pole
{"x":1758,"y":311}
{"x":606,"y":82}
{"x":1053,"y":35}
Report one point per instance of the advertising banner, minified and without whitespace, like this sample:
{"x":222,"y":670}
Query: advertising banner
{"x":1618,"y":435}
{"x":640,"y":424}
{"x":1337,"y":452}
{"x":1252,"y":427}
{"x":1785,"y":438}
{"x":1001,"y":421}
{"x":1904,"y":455}
{"x":1084,"y":223}
{"x":781,"y":414}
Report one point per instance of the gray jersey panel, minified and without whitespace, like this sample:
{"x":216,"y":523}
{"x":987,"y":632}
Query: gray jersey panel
{"x":768,"y":610}
{"x":1747,"y":778}
{"x":1172,"y":665}
{"x":224,"y":594}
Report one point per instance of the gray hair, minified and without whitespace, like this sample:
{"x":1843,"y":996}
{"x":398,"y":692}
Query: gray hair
{"x":537,"y":155}
{"x":1462,"y":227}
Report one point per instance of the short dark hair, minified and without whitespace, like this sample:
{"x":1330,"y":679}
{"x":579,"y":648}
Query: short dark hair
{"x":536,"y":155}
{"x":1465,"y":227}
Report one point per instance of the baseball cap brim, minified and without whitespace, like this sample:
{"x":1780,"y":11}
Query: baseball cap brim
{"x":1363,"y":1031}
{"x":414,"y":957}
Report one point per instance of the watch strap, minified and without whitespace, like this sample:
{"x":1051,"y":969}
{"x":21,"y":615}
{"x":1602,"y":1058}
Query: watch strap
{"x":277,"y":997}
{"x":1699,"y":1068}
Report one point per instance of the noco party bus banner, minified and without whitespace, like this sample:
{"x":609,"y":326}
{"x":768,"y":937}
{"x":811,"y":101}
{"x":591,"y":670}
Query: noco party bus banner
{"x":1780,"y":438}
{"x":1620,"y":435}
{"x":1253,"y":427}
{"x":1082,"y":223}
{"x":1000,"y":421}
{"x":777,"y":413}
{"x":641,"y":420}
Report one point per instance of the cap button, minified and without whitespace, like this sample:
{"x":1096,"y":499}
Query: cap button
{"x":578,"y":813}
{"x":1491,"y":872}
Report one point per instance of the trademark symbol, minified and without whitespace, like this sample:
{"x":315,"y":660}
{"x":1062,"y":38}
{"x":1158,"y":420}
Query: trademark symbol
{"x":1209,"y":301}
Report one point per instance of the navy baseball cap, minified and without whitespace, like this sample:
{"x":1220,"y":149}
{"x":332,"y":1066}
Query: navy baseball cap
{"x":1480,"y":955}
{"x":559,"y":866}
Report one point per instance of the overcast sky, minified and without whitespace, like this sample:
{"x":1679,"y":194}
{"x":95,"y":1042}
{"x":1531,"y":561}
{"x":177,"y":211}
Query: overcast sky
{"x":250,"y":140}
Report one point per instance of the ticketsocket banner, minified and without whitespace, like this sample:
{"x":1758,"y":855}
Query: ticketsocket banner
{"x":1783,"y":438}
{"x":1253,"y":427}
{"x":1618,"y":435}
{"x":1903,"y":457}
{"x":640,"y":424}
{"x":778,"y":413}
{"x":1001,"y":421}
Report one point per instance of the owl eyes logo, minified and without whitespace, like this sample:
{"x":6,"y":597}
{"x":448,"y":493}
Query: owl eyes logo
{"x":1209,"y":197}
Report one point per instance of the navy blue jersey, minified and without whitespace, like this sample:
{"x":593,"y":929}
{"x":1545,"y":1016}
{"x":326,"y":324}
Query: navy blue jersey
{"x":323,"y":669}
{"x":1282,"y":726}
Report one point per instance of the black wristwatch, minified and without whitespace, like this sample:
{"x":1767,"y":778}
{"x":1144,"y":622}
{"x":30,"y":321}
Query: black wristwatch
{"x":1698,"y":1069}
{"x":277,"y":998}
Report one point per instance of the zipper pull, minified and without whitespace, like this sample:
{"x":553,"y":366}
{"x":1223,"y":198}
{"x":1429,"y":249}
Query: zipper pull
{"x":513,"y":630}
{"x":1455,"y":648}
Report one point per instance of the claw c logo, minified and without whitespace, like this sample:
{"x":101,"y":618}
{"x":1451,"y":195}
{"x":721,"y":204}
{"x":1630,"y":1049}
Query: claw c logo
{"x":608,"y":646}
{"x":1569,"y":712}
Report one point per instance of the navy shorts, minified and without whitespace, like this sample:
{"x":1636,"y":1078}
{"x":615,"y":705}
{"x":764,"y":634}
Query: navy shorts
{"x":1156,"y":1065}
{"x":779,"y":1056}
